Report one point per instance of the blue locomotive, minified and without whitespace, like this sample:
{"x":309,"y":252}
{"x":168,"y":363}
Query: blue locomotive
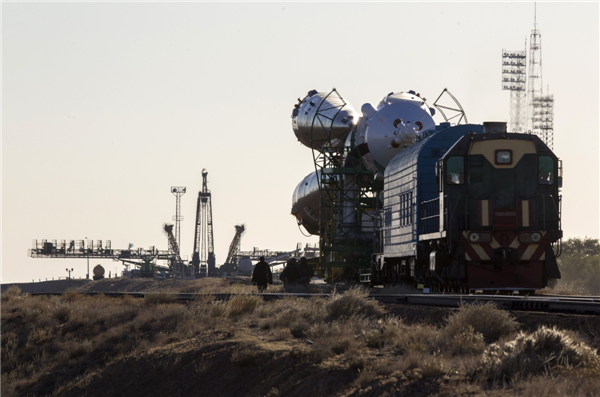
{"x":471,"y":207}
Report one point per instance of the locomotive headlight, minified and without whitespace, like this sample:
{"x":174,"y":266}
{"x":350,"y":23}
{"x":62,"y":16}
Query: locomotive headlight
{"x":525,"y":237}
{"x":480,"y":237}
{"x":503,"y":157}
{"x":530,"y":237}
{"x":485,"y":237}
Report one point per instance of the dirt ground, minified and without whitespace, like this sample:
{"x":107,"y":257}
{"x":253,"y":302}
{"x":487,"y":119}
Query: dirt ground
{"x":245,"y":361}
{"x":253,"y":354}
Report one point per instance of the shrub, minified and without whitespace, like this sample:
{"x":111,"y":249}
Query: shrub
{"x":71,"y":296}
{"x":243,"y":304}
{"x":11,"y":293}
{"x":535,"y":353}
{"x":354,"y":302}
{"x":282,"y":334}
{"x":342,"y":344}
{"x":583,"y":272}
{"x":419,"y":337}
{"x":358,"y":361}
{"x":40,"y":336}
{"x":420,"y":365}
{"x":564,"y":288}
{"x":482,"y":318}
{"x":77,"y":349}
{"x":217,"y":309}
{"x":464,"y":342}
{"x":62,"y":314}
{"x":384,"y":332}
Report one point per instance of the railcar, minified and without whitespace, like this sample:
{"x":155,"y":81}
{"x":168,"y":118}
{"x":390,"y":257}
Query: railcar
{"x":471,"y":207}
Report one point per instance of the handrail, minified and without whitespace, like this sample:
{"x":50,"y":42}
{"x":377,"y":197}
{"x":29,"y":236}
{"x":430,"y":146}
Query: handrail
{"x":430,"y":214}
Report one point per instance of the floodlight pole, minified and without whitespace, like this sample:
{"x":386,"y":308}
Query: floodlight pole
{"x":87,"y":276}
{"x":69,"y":281}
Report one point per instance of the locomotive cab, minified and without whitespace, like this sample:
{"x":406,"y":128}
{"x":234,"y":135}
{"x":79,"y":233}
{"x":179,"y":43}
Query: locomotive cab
{"x":499,"y":198}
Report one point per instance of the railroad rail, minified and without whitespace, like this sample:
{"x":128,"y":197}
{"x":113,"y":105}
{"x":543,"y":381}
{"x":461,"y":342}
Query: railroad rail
{"x":553,"y":303}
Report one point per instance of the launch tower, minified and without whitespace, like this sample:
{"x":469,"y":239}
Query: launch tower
{"x":526,"y":90}
{"x":203,"y":258}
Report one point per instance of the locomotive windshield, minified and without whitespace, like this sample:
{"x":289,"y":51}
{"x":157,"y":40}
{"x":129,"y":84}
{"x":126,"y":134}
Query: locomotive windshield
{"x":545,"y":170}
{"x":456,"y":170}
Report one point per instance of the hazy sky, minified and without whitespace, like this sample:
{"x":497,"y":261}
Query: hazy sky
{"x":106,"y":106}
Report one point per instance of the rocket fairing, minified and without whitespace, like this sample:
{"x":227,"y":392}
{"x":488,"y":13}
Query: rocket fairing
{"x":380,"y":133}
{"x":322,"y":117}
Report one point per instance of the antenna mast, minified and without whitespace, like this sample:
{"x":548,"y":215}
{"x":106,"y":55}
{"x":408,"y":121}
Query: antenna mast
{"x":540,"y":107}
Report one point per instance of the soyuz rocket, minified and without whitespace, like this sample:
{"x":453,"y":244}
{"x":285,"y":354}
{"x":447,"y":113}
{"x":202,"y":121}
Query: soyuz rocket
{"x":373,"y":138}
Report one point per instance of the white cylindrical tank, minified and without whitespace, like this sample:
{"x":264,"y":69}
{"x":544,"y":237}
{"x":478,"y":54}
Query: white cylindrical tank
{"x":319,"y":113}
{"x":245,"y":265}
{"x":305,"y":203}
{"x":387,"y":130}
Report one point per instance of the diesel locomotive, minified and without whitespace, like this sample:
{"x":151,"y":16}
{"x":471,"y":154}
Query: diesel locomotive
{"x":471,"y":207}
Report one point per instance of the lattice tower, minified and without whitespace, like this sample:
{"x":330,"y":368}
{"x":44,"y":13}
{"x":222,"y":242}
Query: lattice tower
{"x":543,"y":118}
{"x":514,"y":79}
{"x":203,"y":258}
{"x":175,"y":261}
{"x":540,"y":107}
{"x":178,"y":191}
{"x":234,"y":248}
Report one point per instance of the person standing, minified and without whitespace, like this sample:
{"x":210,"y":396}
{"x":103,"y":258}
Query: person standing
{"x":306,"y":272}
{"x":262,"y":275}
{"x":289,"y":275}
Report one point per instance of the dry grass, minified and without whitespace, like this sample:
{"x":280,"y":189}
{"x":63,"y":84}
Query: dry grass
{"x":72,"y":335}
{"x":385,"y":332}
{"x":481,"y":318}
{"x":158,"y":298}
{"x":12,"y":293}
{"x":41,"y":335}
{"x":354,"y":302}
{"x":581,"y":384}
{"x":543,"y":351}
{"x":460,"y":342}
{"x":563,"y":288}
{"x":470,"y":328}
{"x":243,"y":304}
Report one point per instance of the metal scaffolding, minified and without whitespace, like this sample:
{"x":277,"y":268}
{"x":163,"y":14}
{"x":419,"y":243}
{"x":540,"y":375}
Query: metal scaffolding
{"x":203,"y":258}
{"x":531,"y":109}
{"x":145,"y":259}
{"x":540,"y":106}
{"x":347,"y":204}
{"x":178,"y":191}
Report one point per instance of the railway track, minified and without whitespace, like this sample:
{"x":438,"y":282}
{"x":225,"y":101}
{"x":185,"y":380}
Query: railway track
{"x":544,"y":303}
